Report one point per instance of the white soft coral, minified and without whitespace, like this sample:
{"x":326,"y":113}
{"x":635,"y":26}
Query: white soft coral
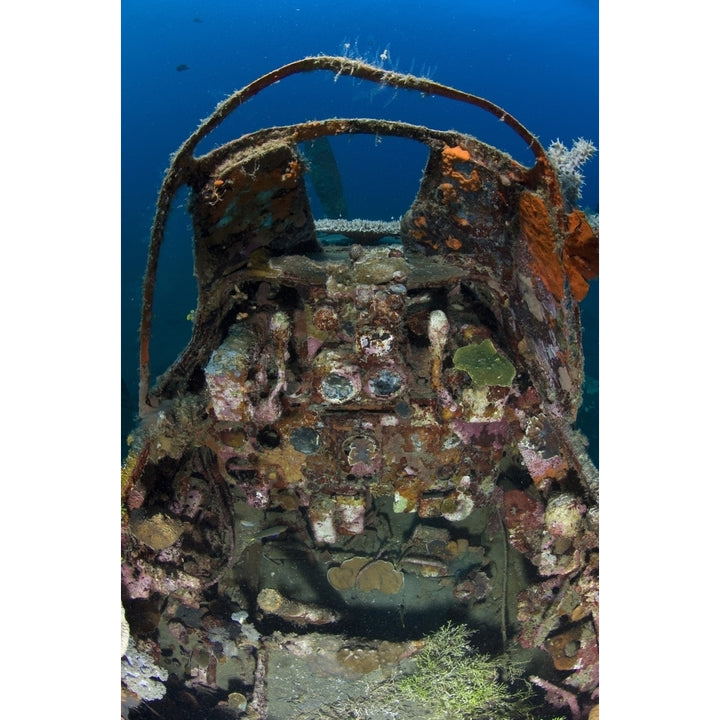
{"x":567,"y":164}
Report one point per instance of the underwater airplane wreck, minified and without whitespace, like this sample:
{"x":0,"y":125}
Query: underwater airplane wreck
{"x":360,"y":491}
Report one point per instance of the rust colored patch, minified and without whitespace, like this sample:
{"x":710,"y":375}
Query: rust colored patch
{"x":294,"y":171}
{"x":518,"y":506}
{"x":410,"y":490}
{"x":283,"y":465}
{"x":448,"y":193}
{"x":453,"y":243}
{"x":564,"y":648}
{"x":466,"y":183}
{"x":581,"y":254}
{"x":420,"y":234}
{"x":454,"y":154}
{"x":535,"y":226}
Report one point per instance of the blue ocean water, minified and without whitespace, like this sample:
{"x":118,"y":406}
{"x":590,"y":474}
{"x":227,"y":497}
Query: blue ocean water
{"x":539,"y":61}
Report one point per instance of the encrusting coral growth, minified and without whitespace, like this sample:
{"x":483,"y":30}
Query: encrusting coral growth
{"x":340,"y":410}
{"x":358,"y":228}
{"x":141,"y":675}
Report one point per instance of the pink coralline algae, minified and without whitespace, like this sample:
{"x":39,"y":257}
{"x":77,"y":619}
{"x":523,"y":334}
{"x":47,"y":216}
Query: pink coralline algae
{"x":532,"y":613}
{"x":142,"y":579}
{"x":524,"y":520}
{"x":136,"y":581}
{"x":189,"y":505}
{"x":474,"y":587}
{"x":553,"y":536}
{"x":558,"y":697}
{"x":135,"y":498}
{"x":226,"y":376}
{"x":494,"y":434}
{"x":542,"y":468}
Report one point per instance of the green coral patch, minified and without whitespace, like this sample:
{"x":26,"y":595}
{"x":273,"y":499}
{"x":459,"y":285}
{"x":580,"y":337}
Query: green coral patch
{"x":484,"y":364}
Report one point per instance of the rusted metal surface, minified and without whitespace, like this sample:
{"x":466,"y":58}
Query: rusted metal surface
{"x":442,"y":372}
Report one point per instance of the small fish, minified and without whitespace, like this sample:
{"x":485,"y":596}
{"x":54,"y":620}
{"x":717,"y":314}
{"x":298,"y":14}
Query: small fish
{"x":270,"y":532}
{"x":197,"y":20}
{"x":245,"y":541}
{"x":182,"y":67}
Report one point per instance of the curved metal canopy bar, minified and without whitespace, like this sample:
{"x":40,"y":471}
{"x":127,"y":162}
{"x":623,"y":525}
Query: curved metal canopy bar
{"x":183,"y":161}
